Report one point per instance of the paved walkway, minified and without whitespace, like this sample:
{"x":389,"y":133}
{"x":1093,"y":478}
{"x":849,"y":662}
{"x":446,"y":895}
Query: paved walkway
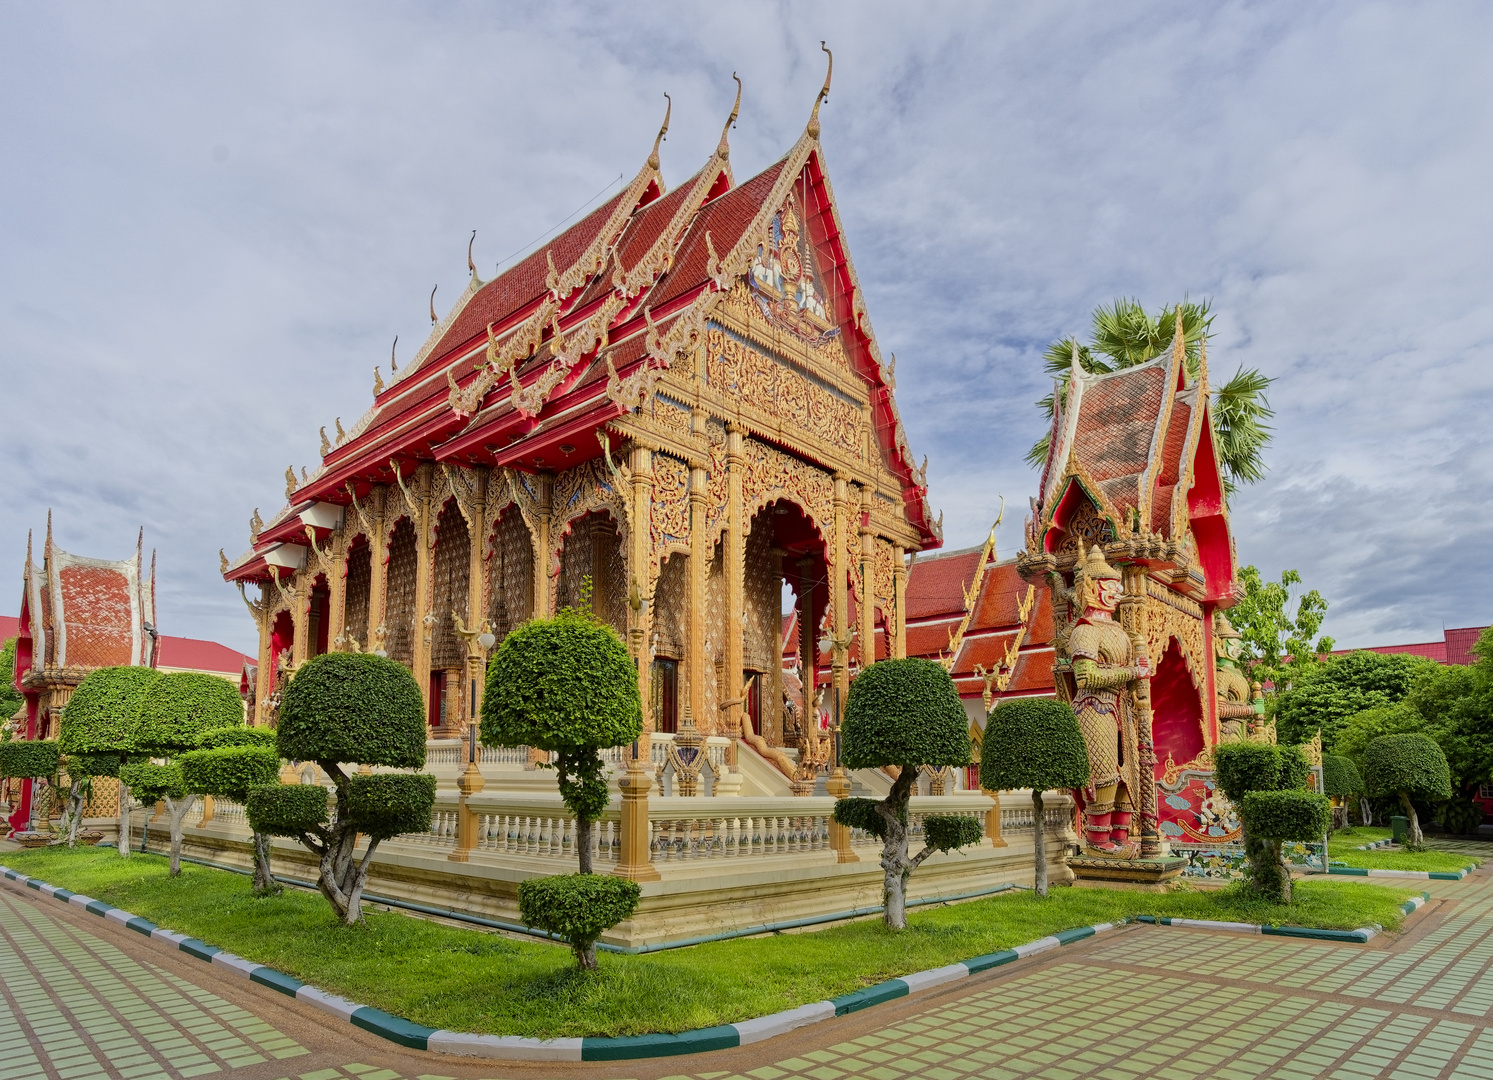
{"x":85,"y":1000}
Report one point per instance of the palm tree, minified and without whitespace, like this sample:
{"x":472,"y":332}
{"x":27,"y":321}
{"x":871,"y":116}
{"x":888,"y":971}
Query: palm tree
{"x":1125,"y":335}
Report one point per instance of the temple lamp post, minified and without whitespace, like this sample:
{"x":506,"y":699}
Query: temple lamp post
{"x":639,"y":604}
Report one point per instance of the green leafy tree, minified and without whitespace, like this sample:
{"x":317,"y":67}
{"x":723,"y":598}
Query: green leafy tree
{"x":99,"y":722}
{"x":343,"y":708}
{"x":903,"y":714}
{"x":1125,"y":335}
{"x":1035,"y":743}
{"x":1245,"y":768}
{"x":1327,"y":695}
{"x":1278,"y":646}
{"x":566,"y":685}
{"x":173,"y":715}
{"x":11,"y":699}
{"x":1340,"y":780}
{"x":578,"y":908}
{"x":1409,"y":767}
{"x":224,"y":769}
{"x":22,"y":759}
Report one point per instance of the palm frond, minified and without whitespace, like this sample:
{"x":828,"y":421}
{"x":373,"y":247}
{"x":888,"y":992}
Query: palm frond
{"x":1037,"y":455}
{"x":1240,"y":412}
{"x":1124,"y":332}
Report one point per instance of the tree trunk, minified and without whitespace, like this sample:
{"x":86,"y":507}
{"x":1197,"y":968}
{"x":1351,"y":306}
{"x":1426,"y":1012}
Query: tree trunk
{"x":1039,"y":845}
{"x":176,"y":815}
{"x":1365,"y":812}
{"x":1416,"y":839}
{"x":586,"y":957}
{"x":124,"y":820}
{"x":75,"y":802}
{"x":264,"y":882}
{"x":583,"y":849}
{"x":894,"y":862}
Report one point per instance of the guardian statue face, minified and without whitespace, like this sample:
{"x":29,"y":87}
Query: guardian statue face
{"x":1107,"y":594}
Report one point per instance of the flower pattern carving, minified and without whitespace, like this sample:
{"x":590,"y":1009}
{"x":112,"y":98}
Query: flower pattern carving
{"x":739,"y":369}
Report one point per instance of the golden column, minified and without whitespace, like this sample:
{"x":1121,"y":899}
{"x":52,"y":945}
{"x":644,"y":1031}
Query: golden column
{"x":1132,"y":612}
{"x":300,"y":616}
{"x":424,"y":549}
{"x":897,"y":632}
{"x":867,"y":610}
{"x":735,"y":571}
{"x":545,"y":488}
{"x":640,"y":583}
{"x":264,"y":685}
{"x":699,"y":560}
{"x":337,"y":592}
{"x":476,"y":590}
{"x":840,"y":592}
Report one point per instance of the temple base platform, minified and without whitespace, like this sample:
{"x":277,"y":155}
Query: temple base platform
{"x":1151,"y":875}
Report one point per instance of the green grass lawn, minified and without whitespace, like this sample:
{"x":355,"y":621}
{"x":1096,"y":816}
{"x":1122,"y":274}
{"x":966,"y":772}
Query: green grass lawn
{"x":1342,"y":847}
{"x":468,"y":980}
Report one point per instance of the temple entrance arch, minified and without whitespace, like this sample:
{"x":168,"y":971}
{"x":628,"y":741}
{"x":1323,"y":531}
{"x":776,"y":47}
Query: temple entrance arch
{"x":318,"y":617}
{"x":1177,"y":721}
{"x":399,"y":604}
{"x":510,"y":588}
{"x":785,"y":555}
{"x":593,"y":549}
{"x":451,"y":573}
{"x":359,"y":592}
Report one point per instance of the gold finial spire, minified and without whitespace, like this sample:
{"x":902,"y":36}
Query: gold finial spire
{"x":326,"y":443}
{"x":393,"y":364}
{"x":1203,"y":366}
{"x":1179,"y":340}
{"x":724,"y":149}
{"x":28,"y":547}
{"x":653,"y":160}
{"x":824,"y":93}
{"x":433,"y":288}
{"x":470,"y":264}
{"x":378,"y":383}
{"x":47,"y":550}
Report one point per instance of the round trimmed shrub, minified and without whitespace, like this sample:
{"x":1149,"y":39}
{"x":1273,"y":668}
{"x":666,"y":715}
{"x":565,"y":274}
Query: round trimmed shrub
{"x":23,"y":760}
{"x":80,"y":765}
{"x":1295,"y":770}
{"x":905,"y":713}
{"x":180,"y":707}
{"x":149,"y":782}
{"x":949,"y":832}
{"x":561,"y":684}
{"x":1302,"y":816}
{"x":219,"y":738}
{"x":578,"y":908}
{"x":1410,"y":764}
{"x":1340,"y":776}
{"x":386,"y":805}
{"x":100,"y":716}
{"x":861,"y":814}
{"x":353,"y":707}
{"x":286,"y":809}
{"x":229,"y":772}
{"x":1243,"y":767}
{"x":1033,"y":743}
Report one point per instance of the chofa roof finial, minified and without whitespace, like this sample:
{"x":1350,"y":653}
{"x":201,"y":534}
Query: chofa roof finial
{"x":653,"y":159}
{"x":471,"y":266}
{"x":394,"y":364}
{"x":433,"y":288}
{"x":724,"y":149}
{"x":47,"y":550}
{"x":824,"y":93}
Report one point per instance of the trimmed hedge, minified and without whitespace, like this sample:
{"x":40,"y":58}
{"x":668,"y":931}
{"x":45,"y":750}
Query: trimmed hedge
{"x":286,"y":809}
{"x":389,"y":804}
{"x":353,"y":707}
{"x":80,"y":765}
{"x":860,"y":814}
{"x":180,"y":707}
{"x":1035,"y":743}
{"x":559,"y":684}
{"x":148,"y":781}
{"x":906,"y":713}
{"x":577,"y":907}
{"x":1295,"y":771}
{"x":100,"y":716}
{"x":1243,"y":767}
{"x":1410,"y":764}
{"x":1302,"y":816}
{"x":229,"y":772}
{"x":238,"y":736}
{"x":947,"y":832}
{"x":1340,"y":776}
{"x":23,"y":760}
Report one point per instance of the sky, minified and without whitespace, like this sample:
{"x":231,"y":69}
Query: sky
{"x":215,"y":219}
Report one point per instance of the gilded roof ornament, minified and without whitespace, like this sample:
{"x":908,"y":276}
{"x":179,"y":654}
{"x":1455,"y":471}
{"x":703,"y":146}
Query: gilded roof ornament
{"x":723,"y":149}
{"x":289,"y":481}
{"x":433,"y":288}
{"x":393,"y":363}
{"x":341,"y":435}
{"x":653,"y":159}
{"x":813,"y":127}
{"x":222,"y":562}
{"x":378,"y":382}
{"x":326,"y":443}
{"x":471,"y":266}
{"x":256,"y":526}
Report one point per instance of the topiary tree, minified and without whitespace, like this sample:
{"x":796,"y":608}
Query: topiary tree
{"x":348,"y":708}
{"x":1337,"y":688}
{"x":82,"y":770}
{"x":99,"y":721}
{"x":229,"y":769}
{"x":174,"y":714}
{"x":1410,"y":767}
{"x":1243,"y":768}
{"x":903,"y":714}
{"x":21,"y":759}
{"x":1035,"y":743}
{"x":566,"y":685}
{"x":1340,"y":780}
{"x":1271,"y":817}
{"x":11,"y":699}
{"x":151,"y":782}
{"x":578,"y":908}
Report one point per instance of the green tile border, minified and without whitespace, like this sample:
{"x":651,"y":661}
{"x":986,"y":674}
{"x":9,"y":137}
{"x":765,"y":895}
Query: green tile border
{"x":419,"y":1037}
{"x":1361,"y":936}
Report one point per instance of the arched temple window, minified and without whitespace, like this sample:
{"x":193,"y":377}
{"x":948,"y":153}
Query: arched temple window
{"x":593,"y":549}
{"x":399,"y":608}
{"x":511,"y":589}
{"x":453,"y":562}
{"x":359,"y":589}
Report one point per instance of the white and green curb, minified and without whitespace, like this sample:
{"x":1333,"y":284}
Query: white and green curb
{"x":515,"y":1048}
{"x":1420,"y":875}
{"x":1362,"y":935}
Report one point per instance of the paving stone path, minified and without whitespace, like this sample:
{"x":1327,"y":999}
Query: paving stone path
{"x":1164,"y":1002}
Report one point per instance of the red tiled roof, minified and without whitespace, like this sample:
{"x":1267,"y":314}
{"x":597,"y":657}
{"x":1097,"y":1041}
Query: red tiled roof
{"x":197,"y":655}
{"x":10,"y":627}
{"x":1117,"y":421}
{"x":937,"y":583}
{"x":1455,"y":647}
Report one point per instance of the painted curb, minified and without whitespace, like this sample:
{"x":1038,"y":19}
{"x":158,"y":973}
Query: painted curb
{"x":1420,"y":875}
{"x":1361,"y":936}
{"x":516,"y":1048}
